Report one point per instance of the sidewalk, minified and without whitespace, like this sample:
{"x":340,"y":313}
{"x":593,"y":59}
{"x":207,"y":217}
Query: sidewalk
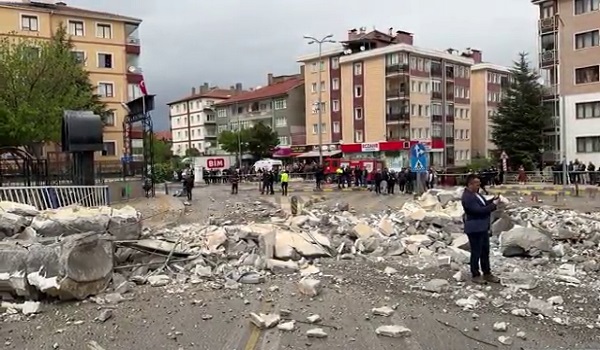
{"x":546,"y":190}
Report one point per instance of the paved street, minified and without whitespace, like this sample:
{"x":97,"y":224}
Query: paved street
{"x":204,"y":316}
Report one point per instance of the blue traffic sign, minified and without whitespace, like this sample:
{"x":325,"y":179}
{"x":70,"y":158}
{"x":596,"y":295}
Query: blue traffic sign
{"x":418,"y":158}
{"x":126,"y":159}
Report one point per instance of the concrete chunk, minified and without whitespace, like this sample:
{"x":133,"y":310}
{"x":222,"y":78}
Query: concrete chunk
{"x":310,"y":287}
{"x":316,"y":333}
{"x":393,"y":331}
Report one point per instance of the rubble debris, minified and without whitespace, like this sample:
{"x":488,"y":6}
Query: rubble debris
{"x":310,"y":287}
{"x":393,"y":331}
{"x":436,"y":285}
{"x":159,"y":280}
{"x":500,"y":327}
{"x":264,"y":321}
{"x":287,"y":326}
{"x":314,"y":318}
{"x":383,"y":311}
{"x":540,"y":307}
{"x":505,"y":340}
{"x":316,"y":333}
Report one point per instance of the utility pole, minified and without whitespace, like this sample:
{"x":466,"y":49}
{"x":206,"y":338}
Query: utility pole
{"x":320,"y":42}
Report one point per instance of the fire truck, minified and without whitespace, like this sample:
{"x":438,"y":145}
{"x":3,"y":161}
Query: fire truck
{"x":332,"y":164}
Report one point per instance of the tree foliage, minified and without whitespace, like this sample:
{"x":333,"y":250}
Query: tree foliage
{"x":192,"y":152}
{"x":39,"y":79}
{"x":259,"y":141}
{"x":521,"y":117}
{"x":162,"y":152}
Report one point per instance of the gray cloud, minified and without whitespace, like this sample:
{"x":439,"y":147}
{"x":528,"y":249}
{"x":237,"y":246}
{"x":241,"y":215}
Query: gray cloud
{"x":187,"y":42}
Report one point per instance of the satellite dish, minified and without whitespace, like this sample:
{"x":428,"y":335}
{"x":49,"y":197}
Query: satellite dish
{"x":362,"y":48}
{"x":207,"y":144}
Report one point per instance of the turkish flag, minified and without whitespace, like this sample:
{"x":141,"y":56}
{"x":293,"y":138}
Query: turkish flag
{"x":143,"y":87}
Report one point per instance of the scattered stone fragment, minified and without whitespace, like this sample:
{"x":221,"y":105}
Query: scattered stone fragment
{"x":310,"y":287}
{"x":287,"y":326}
{"x":505,"y":340}
{"x":159,"y":280}
{"x":207,"y":317}
{"x":393,"y":331}
{"x":316,"y":333}
{"x":521,"y":335}
{"x":540,"y":307}
{"x":104,"y":316}
{"x":264,"y":321}
{"x":556,"y":300}
{"x":314,"y":318}
{"x":383,"y":311}
{"x":389,"y":270}
{"x":436,"y":285}
{"x":500,"y":327}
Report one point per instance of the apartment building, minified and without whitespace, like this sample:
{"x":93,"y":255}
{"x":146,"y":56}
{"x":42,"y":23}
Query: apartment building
{"x":107,"y":45}
{"x":488,"y":83}
{"x":382,"y":94}
{"x":193,"y":119}
{"x":569,"y":47}
{"x":279,"y":104}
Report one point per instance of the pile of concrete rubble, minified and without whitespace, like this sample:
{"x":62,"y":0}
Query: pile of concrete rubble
{"x":44,"y":251}
{"x":65,"y":253}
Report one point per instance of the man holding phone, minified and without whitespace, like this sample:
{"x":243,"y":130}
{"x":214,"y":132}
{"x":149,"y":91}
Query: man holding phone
{"x":477,"y":225}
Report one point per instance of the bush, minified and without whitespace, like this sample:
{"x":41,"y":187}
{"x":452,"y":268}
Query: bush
{"x":162,"y":173}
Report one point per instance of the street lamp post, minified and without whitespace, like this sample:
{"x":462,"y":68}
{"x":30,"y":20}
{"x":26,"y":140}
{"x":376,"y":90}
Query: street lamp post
{"x":320,"y":42}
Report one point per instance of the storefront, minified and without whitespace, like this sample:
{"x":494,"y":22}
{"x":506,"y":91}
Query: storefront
{"x":394,"y":153}
{"x":331,"y":150}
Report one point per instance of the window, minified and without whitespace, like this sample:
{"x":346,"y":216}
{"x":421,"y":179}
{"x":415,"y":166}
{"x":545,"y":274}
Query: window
{"x":392,"y":59}
{"x":76,"y":28}
{"x":358,"y":113}
{"x":336,"y":127}
{"x":436,"y":86}
{"x":413,"y":110}
{"x":358,"y":91}
{"x":29,"y":23}
{"x":79,"y":56}
{"x":106,"y":89}
{"x":280,"y":121}
{"x":588,"y":144}
{"x":436,"y":109}
{"x":427,"y":111}
{"x":335,"y":105}
{"x":104,"y":31}
{"x":280,"y":104}
{"x":323,"y":86}
{"x":585,"y":6}
{"x":335,"y":84}
{"x":586,"y":75}
{"x":315,"y":129}
{"x":323,"y":128}
{"x":322,"y":65}
{"x":222,"y":113}
{"x":466,"y":134}
{"x":547,"y":10}
{"x":105,"y":60}
{"x":358,"y":136}
{"x":313,"y":88}
{"x":284,"y":140}
{"x":109,"y":118}
{"x":587,"y":110}
{"x":358,"y":69}
{"x":436,"y":130}
{"x":313,"y":67}
{"x":335,"y":62}
{"x":587,"y":39}
{"x":109,"y":149}
{"x":322,"y":108}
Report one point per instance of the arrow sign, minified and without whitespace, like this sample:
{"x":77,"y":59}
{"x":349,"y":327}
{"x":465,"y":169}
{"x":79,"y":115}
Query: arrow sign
{"x":418,"y":158}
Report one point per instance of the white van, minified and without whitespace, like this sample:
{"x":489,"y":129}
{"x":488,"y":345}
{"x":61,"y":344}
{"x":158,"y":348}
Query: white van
{"x":267,"y":164}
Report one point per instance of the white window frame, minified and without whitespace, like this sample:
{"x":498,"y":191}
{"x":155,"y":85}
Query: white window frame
{"x":575,"y":74}
{"x":314,"y":67}
{"x":74,"y":21}
{"x":362,"y":113}
{"x":336,"y":127}
{"x":85,"y":56}
{"x":31,"y":15}
{"x":114,"y":142}
{"x":357,"y":138}
{"x":597,"y":30}
{"x":315,"y":129}
{"x":335,"y":105}
{"x":314,"y":87}
{"x":100,"y":24}
{"x":335,"y":63}
{"x":335,"y":84}
{"x":111,"y":83}
{"x":357,"y":68}
{"x":584,"y":12}
{"x":112,"y":60}
{"x":114,"y":116}
{"x":358,"y":91}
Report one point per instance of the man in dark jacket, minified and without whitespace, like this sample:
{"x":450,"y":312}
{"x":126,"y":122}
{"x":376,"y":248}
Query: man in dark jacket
{"x":188,"y":184}
{"x":477,"y":225}
{"x":234,"y":180}
{"x":377,"y":179}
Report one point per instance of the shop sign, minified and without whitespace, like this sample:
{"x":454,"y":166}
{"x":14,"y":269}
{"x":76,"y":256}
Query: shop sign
{"x":369,"y":147}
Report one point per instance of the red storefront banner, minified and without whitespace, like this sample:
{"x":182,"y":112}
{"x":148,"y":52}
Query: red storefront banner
{"x":388,"y":146}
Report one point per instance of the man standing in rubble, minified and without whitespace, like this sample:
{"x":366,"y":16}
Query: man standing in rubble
{"x":477,"y":225}
{"x":234,"y":180}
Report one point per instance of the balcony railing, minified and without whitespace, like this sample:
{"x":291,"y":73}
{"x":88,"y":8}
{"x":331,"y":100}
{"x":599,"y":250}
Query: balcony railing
{"x":436,"y":71}
{"x":550,"y":91}
{"x":449,"y":118}
{"x":131,"y":69}
{"x":436,"y":95}
{"x":396,"y":69}
{"x":396,"y":93}
{"x":548,"y":57}
{"x":436,"y":118}
{"x":548,"y":24}
{"x":449,"y":140}
{"x":397,"y":117}
{"x":210,"y":120}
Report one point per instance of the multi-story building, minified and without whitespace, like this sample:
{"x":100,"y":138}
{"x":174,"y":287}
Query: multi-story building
{"x":279,"y":104}
{"x":193,"y":120}
{"x":381,"y":94}
{"x":569,"y":45}
{"x":107,"y":45}
{"x":488,"y":83}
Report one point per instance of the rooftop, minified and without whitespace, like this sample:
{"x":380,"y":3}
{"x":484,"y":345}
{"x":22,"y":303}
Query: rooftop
{"x":163,"y":135}
{"x":274,"y":90}
{"x":490,"y":66}
{"x":62,"y":7}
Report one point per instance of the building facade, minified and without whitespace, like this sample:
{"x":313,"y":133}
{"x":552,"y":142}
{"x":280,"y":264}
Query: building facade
{"x":108,"y":45}
{"x":569,"y":47}
{"x":381,"y":94}
{"x":280,"y":105}
{"x":193,"y":119}
{"x":488,"y":83}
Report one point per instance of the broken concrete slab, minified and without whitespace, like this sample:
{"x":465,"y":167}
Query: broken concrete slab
{"x":264,"y":321}
{"x":310,"y":287}
{"x":393,"y":331}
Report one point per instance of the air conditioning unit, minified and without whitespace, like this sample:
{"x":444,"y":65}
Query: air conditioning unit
{"x":406,"y":144}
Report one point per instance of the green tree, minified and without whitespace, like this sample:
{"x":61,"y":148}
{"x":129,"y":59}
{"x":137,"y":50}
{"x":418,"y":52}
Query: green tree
{"x":521,"y":117}
{"x":39,"y":79}
{"x":192,"y":152}
{"x":261,"y":140}
{"x":230,"y":141}
{"x":162,"y":152}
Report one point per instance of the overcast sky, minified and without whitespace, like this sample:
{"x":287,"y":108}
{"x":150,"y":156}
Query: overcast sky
{"x":188,"y":42}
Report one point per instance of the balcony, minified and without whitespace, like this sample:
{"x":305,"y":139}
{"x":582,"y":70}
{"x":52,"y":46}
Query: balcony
{"x":449,"y":140}
{"x":264,"y":114}
{"x":548,"y":25}
{"x":436,"y":70}
{"x":210,"y":119}
{"x":549,"y":92}
{"x":437,"y":119}
{"x":436,"y":95}
{"x":450,"y":118}
{"x":548,"y":58}
{"x":397,"y":117}
{"x":132,"y":46}
{"x":397,"y":93}
{"x":134,"y":75}
{"x":396,"y":69}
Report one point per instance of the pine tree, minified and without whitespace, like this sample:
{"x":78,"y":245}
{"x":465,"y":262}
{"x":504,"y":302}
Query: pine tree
{"x":521,"y":117}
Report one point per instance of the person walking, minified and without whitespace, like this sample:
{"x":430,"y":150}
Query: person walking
{"x":188,"y":185}
{"x":285,"y":178}
{"x":234,"y":179}
{"x":476,"y":226}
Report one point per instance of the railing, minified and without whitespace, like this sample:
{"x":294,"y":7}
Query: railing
{"x":52,"y":197}
{"x":550,"y":91}
{"x":396,"y":68}
{"x":396,"y":93}
{"x":133,"y":41}
{"x":437,"y":118}
{"x":397,"y":117}
{"x":548,"y":57}
{"x":134,"y":70}
{"x":436,"y":95}
{"x":547,"y":24}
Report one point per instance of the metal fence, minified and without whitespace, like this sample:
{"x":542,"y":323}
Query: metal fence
{"x":52,"y":197}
